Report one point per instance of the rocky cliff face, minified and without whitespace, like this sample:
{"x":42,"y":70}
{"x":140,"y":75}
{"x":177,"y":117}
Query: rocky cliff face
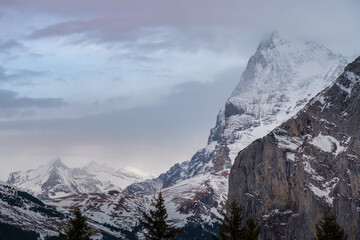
{"x":305,"y":166}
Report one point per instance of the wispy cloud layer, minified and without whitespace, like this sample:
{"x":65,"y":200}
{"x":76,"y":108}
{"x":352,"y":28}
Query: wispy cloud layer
{"x":19,"y":76}
{"x":10,"y":99}
{"x":10,"y":45}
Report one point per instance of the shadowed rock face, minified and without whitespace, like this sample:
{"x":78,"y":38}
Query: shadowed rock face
{"x":309,"y":164}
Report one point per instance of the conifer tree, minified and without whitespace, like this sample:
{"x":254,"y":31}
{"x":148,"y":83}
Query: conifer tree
{"x":77,"y":228}
{"x":155,"y":222}
{"x":231,"y":225}
{"x":251,"y":229}
{"x":328,"y":229}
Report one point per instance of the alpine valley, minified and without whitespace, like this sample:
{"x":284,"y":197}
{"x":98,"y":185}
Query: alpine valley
{"x":284,"y":177}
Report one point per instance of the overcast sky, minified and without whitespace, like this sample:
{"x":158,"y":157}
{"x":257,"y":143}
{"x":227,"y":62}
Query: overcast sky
{"x":136,"y":83}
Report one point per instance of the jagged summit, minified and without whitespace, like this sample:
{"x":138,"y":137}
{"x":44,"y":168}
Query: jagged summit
{"x":56,"y":163}
{"x":307,"y":165}
{"x":280,"y":78}
{"x":273,"y":40}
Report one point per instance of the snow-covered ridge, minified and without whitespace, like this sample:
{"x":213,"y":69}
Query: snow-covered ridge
{"x":54,"y":179}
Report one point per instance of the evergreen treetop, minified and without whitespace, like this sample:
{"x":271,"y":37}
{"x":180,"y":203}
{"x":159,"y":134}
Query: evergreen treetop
{"x":231,"y":225}
{"x":77,"y":228}
{"x":329,"y":229}
{"x":155,"y":222}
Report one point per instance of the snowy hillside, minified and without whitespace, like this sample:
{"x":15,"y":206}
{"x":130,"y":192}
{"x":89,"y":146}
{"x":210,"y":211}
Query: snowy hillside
{"x":116,"y":213}
{"x":24,"y":211}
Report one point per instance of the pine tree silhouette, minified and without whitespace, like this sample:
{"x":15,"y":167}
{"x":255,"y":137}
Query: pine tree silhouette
{"x":155,"y":222}
{"x":251,"y":229}
{"x":231,"y":226}
{"x":77,"y":228}
{"x":328,"y":229}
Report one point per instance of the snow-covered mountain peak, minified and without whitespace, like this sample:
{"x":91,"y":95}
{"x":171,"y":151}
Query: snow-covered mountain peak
{"x":280,"y":78}
{"x":282,"y":60}
{"x":56,"y":163}
{"x":273,"y":40}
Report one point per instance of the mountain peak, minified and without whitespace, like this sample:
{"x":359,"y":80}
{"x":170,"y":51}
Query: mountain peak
{"x":273,"y":40}
{"x":280,"y":78}
{"x":57,"y":163}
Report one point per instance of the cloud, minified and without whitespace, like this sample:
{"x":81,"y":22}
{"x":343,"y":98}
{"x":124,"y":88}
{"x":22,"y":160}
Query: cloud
{"x":190,"y":26}
{"x":9,"y":45}
{"x":12,"y":105}
{"x":129,"y":33}
{"x":21,"y":76}
{"x":11,"y":50}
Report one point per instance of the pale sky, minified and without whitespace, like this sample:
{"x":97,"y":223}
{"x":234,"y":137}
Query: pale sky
{"x":136,"y":83}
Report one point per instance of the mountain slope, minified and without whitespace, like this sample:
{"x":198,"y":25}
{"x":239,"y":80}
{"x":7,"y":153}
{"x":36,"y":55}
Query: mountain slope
{"x":20,"y":210}
{"x":54,"y":180}
{"x":23,"y":216}
{"x":306,"y":166}
{"x":190,"y":202}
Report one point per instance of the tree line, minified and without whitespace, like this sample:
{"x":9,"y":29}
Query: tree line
{"x":231,"y":226}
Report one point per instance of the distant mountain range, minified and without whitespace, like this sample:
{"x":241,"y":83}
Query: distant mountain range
{"x":55,"y":179}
